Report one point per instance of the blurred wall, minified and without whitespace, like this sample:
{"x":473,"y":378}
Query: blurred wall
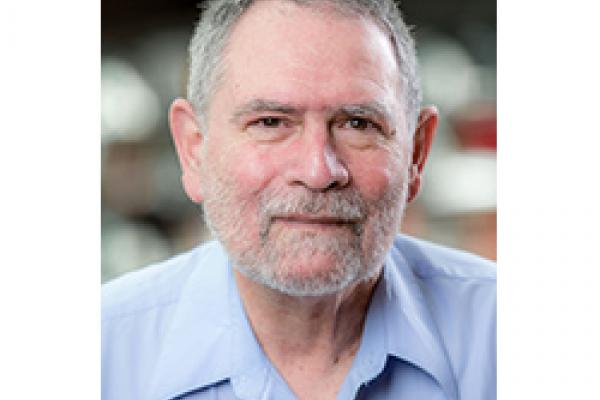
{"x":146,"y":216}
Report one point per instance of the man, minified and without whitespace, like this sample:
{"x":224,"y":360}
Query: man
{"x":302,"y":137}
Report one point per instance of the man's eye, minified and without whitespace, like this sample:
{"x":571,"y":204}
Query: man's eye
{"x":361,"y":124}
{"x":358,"y":131}
{"x":269,"y":122}
{"x":270,"y":129}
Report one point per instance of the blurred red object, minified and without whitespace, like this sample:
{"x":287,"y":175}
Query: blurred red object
{"x":475,"y":127}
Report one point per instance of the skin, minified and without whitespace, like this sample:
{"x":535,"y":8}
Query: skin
{"x":284,"y":125}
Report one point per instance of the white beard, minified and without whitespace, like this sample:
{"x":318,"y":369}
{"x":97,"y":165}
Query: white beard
{"x":281,"y":258}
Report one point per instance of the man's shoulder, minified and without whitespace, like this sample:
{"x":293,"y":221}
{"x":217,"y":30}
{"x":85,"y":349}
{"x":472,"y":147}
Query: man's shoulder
{"x":433,"y":261}
{"x":140,"y":311}
{"x":457,"y":292}
{"x":153,"y":286}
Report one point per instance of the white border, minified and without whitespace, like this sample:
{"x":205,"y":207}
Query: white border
{"x":548,"y":202}
{"x":50,"y":135}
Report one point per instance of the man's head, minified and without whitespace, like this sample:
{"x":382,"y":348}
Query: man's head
{"x":212,"y":33}
{"x":302,"y":150}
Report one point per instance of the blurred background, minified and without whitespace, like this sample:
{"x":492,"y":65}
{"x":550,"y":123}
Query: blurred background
{"x":146,"y":216}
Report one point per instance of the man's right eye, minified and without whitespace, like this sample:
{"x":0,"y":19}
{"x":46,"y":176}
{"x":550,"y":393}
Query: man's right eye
{"x":268,"y":122}
{"x":270,"y":129}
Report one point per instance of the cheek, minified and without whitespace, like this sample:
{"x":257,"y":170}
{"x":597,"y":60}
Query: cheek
{"x":374,"y":175}
{"x":233,"y":182}
{"x":253,"y":171}
{"x":244,"y":168}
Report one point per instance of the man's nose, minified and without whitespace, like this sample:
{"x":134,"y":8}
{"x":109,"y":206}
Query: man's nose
{"x":317,"y":164}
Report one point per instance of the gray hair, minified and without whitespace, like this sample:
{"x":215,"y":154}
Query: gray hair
{"x":219,"y":17}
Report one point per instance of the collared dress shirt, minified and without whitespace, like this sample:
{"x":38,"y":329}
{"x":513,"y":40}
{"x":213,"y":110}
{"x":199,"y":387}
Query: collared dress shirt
{"x":177,"y":330}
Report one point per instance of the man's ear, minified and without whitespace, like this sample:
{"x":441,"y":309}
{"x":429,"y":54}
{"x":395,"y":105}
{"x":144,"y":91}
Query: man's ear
{"x":422,"y":140}
{"x":188,"y":140}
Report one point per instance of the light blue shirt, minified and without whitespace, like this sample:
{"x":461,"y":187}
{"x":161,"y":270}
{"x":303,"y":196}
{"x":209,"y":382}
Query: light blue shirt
{"x":177,"y":330}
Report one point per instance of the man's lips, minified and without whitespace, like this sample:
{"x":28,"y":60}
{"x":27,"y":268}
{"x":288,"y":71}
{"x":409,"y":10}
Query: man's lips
{"x":312,"y":222}
{"x":315,"y":220}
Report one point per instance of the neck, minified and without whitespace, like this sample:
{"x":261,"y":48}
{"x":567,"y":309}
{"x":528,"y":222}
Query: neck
{"x":307,"y":335}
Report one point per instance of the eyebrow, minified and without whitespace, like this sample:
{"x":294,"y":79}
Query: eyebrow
{"x":260,"y":105}
{"x":365,"y":109}
{"x":372,"y":108}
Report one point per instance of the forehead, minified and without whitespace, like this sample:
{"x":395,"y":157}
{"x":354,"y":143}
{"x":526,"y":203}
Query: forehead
{"x":315,"y":57}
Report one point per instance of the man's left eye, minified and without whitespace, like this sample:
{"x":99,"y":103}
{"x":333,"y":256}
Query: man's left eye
{"x":361,"y":124}
{"x":269,"y":122}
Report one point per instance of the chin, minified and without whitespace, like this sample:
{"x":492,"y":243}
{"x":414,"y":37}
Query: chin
{"x":313,"y":273}
{"x":312,"y":264}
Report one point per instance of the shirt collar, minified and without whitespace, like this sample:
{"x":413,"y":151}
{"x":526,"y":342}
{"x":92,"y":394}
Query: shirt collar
{"x":410,"y":331}
{"x":209,"y":338}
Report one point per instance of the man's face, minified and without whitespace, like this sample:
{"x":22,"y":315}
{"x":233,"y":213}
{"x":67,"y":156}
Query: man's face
{"x":304,"y":166}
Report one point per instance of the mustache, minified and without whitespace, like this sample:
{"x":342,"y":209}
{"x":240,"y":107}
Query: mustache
{"x":346,"y":205}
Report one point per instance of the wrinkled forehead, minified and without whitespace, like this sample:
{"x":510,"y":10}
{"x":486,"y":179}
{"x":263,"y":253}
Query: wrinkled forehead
{"x":270,"y":21}
{"x":316,"y":53}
